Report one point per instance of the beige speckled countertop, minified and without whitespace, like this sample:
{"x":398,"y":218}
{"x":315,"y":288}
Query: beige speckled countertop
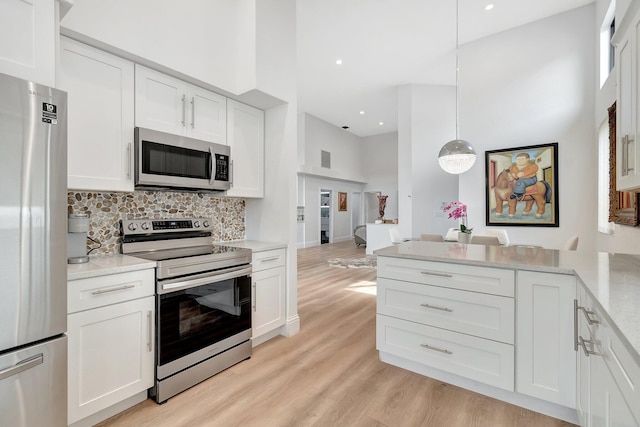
{"x":613,"y":280}
{"x":103,"y":265}
{"x":254,"y":245}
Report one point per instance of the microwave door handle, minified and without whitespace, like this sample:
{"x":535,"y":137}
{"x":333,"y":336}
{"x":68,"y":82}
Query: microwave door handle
{"x":212,"y":166}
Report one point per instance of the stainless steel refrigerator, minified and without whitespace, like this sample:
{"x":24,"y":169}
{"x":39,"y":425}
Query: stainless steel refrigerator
{"x":33,"y":268}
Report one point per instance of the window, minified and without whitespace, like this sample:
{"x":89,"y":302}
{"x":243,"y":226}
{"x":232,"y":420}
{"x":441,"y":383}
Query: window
{"x":607,"y":50}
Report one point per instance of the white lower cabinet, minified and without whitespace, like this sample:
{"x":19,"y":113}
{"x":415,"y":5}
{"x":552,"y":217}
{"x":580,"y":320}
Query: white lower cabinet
{"x":545,"y":356}
{"x":111,"y":341}
{"x":268,"y":281}
{"x":608,"y":377}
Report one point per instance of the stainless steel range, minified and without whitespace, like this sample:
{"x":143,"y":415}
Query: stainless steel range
{"x":203,"y":300}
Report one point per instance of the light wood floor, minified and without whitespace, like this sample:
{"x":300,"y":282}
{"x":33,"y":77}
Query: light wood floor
{"x":329,"y":374}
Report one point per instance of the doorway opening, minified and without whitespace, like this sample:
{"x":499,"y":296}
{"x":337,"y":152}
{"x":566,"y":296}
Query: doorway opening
{"x":325,"y":216}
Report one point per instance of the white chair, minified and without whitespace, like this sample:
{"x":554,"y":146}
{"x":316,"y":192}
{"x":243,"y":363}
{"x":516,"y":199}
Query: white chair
{"x":485,"y":240}
{"x":427,"y":237}
{"x":396,"y":238}
{"x":452,"y":235}
{"x":501,"y":234}
{"x":571,"y":244}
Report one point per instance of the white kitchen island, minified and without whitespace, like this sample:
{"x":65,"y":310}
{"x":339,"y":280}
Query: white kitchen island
{"x":554,"y":331}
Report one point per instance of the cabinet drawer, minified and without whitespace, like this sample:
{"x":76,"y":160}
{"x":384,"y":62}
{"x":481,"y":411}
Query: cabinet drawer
{"x":99,"y":291}
{"x":268,"y":259}
{"x":469,"y":278}
{"x":482,"y":315}
{"x":482,"y":360}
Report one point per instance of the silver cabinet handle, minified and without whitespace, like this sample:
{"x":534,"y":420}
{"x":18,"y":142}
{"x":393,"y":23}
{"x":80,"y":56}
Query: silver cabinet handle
{"x":433,"y":273}
{"x":629,"y":141}
{"x":583,"y":343}
{"x":21,"y":366}
{"x":624,"y":155}
{"x":441,"y":350}
{"x":576,"y":307}
{"x":129,"y":160}
{"x":588,"y":314}
{"x":435,"y":307}
{"x":275,"y":258}
{"x":193,"y":112}
{"x":231,"y":173}
{"x":255,"y":294}
{"x":106,"y":291}
{"x":184,"y":108}
{"x":149,"y":330}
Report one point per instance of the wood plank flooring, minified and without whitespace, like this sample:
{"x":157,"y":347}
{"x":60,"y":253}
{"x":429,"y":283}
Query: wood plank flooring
{"x":329,"y":374}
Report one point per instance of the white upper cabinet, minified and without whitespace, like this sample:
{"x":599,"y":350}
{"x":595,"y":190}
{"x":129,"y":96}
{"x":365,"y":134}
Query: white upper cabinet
{"x":28,"y":33}
{"x":245,"y":127}
{"x":627,"y":111}
{"x":100,"y":122}
{"x":171,"y":105}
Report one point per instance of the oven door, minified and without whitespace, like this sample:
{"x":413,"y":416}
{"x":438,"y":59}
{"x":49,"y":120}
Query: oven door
{"x":197,"y":322}
{"x":173,"y":161}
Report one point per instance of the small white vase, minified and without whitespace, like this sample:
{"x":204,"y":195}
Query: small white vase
{"x":463,"y":237}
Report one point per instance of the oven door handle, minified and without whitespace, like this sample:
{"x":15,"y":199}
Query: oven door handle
{"x":229,"y":273}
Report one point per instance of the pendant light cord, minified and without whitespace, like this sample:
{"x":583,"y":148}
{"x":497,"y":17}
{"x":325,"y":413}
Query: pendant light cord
{"x":457,"y":95}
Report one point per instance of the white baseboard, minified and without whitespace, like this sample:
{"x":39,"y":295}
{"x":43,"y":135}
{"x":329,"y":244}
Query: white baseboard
{"x":292,"y":326}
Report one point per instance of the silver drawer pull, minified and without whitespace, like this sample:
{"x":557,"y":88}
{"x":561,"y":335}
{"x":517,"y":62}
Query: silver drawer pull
{"x":106,"y":291}
{"x":149,"y":330}
{"x":274,"y":258}
{"x":433,"y":273}
{"x":441,"y":350}
{"x":22,"y":366}
{"x":588,"y":314}
{"x":435,"y":307}
{"x":583,"y":343}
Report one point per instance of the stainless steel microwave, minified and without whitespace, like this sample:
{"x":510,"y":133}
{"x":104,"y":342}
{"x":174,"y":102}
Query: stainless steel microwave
{"x":167,"y":161}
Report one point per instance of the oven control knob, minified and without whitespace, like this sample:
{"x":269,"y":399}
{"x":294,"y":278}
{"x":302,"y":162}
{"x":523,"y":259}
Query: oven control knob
{"x":132,"y":227}
{"x":205,"y":224}
{"x":145,"y":226}
{"x":196,"y":224}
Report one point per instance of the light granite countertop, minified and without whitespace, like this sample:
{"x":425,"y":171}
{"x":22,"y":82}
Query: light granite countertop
{"x":254,"y":245}
{"x":103,"y":265}
{"x":613,"y":280}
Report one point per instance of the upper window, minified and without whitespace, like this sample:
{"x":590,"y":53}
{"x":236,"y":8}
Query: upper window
{"x":607,"y":50}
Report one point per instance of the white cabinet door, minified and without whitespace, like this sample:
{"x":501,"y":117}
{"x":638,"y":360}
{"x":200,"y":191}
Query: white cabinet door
{"x":161,"y":101}
{"x":245,"y":127}
{"x":110,"y":355}
{"x":608,"y":407}
{"x":171,"y":105}
{"x":545,"y":356}
{"x":268,"y":300}
{"x":100,"y":123}
{"x":28,"y":32}
{"x":208,"y":119}
{"x":627,"y":111}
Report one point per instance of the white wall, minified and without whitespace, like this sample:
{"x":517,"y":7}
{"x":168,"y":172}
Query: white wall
{"x":380,"y":167}
{"x":535,"y":85}
{"x":426,"y":123}
{"x":345,"y":149}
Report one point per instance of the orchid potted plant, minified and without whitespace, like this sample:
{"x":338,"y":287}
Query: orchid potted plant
{"x":458,"y":210}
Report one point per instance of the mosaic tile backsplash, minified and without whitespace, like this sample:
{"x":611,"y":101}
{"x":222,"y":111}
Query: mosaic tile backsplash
{"x":106,"y":209}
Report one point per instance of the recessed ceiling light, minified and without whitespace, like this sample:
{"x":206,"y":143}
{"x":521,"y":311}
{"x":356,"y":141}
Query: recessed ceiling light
{"x":381,"y":123}
{"x":338,"y":61}
{"x":361,"y":112}
{"x":488,"y":7}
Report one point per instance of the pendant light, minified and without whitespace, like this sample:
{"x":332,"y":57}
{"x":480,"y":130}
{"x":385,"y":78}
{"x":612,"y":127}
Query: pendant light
{"x":456,"y":156}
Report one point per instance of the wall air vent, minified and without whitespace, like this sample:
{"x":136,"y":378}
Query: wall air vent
{"x":325,"y":159}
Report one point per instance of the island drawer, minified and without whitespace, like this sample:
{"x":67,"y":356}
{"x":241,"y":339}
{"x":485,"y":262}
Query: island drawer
{"x":93,"y":292}
{"x":482,"y":315}
{"x":487,"y":280}
{"x":479,"y":359}
{"x":268,"y":259}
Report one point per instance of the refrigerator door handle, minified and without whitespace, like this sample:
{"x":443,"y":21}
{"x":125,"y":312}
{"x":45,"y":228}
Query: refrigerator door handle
{"x":21,"y":366}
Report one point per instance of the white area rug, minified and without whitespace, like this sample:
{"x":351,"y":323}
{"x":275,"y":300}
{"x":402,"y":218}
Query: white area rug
{"x":370,"y":261}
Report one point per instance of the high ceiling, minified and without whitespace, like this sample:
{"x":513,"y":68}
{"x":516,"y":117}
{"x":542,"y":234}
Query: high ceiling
{"x":384,"y":44}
